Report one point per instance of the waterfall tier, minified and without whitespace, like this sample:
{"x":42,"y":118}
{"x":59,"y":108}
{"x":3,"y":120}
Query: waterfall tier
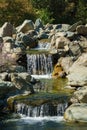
{"x":39,"y":64}
{"x":47,"y":109}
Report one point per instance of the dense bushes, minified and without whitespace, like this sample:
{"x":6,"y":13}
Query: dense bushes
{"x":63,"y":11}
{"x":55,"y":11}
{"x":16,"y":11}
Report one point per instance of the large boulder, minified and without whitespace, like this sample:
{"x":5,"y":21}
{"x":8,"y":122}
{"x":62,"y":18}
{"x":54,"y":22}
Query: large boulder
{"x":38,"y":24}
{"x":29,"y":41}
{"x":76,"y":113}
{"x":6,"y":88}
{"x":21,"y":83}
{"x":7,"y":47}
{"x":73,"y":27}
{"x":58,"y":71}
{"x":6,"y":29}
{"x":26,"y":26}
{"x":4,"y":76}
{"x":59,"y":42}
{"x":81,"y":29}
{"x":78,"y":72}
{"x":7,"y":67}
{"x":66,"y":63}
{"x":75,"y":49}
{"x":80,"y":95}
{"x":77,"y":76}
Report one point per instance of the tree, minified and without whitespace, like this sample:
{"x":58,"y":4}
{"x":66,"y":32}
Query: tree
{"x":81,"y":13}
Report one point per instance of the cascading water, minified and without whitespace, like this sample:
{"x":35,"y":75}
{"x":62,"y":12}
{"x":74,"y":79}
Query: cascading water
{"x":47,"y":109}
{"x":39,"y":64}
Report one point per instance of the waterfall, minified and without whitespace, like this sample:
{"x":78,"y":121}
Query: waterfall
{"x":47,"y":109}
{"x":39,"y":64}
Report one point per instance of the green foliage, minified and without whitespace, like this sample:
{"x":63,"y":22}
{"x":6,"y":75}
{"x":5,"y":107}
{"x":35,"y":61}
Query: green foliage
{"x":16,"y":11}
{"x":45,"y":16}
{"x":56,"y":11}
{"x":82,"y":11}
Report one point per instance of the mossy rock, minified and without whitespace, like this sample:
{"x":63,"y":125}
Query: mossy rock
{"x":58,"y":71}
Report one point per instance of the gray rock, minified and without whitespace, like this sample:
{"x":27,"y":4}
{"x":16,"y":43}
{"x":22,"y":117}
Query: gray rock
{"x":1,"y":44}
{"x":61,"y":34}
{"x":81,"y":61}
{"x":73,"y":27}
{"x":61,"y":42}
{"x":29,"y":41}
{"x":76,"y":113}
{"x":17,"y":69}
{"x":77,"y":76}
{"x":26,"y":26}
{"x":38,"y":24}
{"x":61,"y":27}
{"x":6,"y":88}
{"x":43,"y":35}
{"x":7,"y":47}
{"x":25,"y":76}
{"x":12,"y":68}
{"x":1,"y":40}
{"x":6,"y":30}
{"x":8,"y":39}
{"x":70,"y":35}
{"x":21,"y":83}
{"x":81,"y":29}
{"x":75,"y":49}
{"x":66,"y":63}
{"x":80,"y":95}
{"x":78,"y":72}
{"x":3,"y":76}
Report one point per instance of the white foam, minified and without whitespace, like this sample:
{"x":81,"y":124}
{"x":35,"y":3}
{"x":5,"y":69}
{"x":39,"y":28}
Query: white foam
{"x":33,"y":120}
{"x":48,"y":76}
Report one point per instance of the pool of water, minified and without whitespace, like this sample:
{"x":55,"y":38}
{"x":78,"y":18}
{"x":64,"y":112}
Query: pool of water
{"x":52,"y":85}
{"x":46,"y":123}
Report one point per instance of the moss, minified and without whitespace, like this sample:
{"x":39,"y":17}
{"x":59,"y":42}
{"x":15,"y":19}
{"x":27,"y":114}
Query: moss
{"x":58,"y":71}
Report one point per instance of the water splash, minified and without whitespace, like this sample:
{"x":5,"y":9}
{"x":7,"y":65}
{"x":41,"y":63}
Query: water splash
{"x":39,"y":64}
{"x":47,"y":109}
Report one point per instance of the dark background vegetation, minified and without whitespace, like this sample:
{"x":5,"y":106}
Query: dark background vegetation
{"x":50,"y":11}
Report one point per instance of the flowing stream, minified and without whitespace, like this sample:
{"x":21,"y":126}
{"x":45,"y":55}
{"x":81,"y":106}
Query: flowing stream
{"x":45,"y":110}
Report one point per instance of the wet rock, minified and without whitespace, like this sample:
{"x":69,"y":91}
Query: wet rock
{"x":6,"y":88}
{"x":17,"y":68}
{"x":76,"y":113}
{"x":58,"y":71}
{"x":25,"y":76}
{"x":21,"y":83}
{"x":12,"y":68}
